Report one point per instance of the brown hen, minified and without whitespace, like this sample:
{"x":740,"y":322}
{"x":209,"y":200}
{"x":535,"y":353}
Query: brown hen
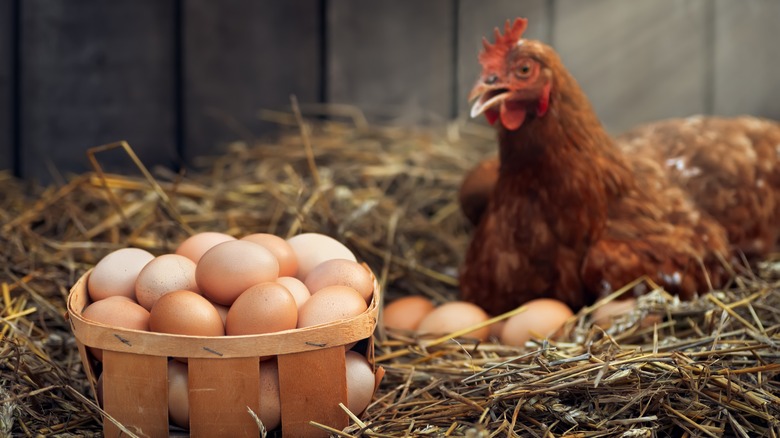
{"x":572,"y":214}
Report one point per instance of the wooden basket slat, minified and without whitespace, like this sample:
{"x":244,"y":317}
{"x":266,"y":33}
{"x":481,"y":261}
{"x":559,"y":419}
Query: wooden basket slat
{"x":306,"y":381}
{"x":135,"y":393}
{"x":88,"y":368}
{"x":219,"y":396}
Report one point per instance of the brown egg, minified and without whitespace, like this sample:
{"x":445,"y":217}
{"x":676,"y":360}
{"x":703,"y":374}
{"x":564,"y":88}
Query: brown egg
{"x":121,"y":297}
{"x":296,"y":288}
{"x":360,"y":382}
{"x":230,"y":268}
{"x":116,"y":312}
{"x":341,"y":272}
{"x":406,"y":313}
{"x":453,"y":316}
{"x":605,"y":314}
{"x":164,"y":274}
{"x":270,"y":404}
{"x":496,"y":329}
{"x":542,"y":318}
{"x":178,"y":394}
{"x":223,"y":311}
{"x":311,"y":249}
{"x":196,"y":245}
{"x":115,"y":273}
{"x":185,"y":313}
{"x":288,"y":263}
{"x":263,"y":308}
{"x":331,"y":304}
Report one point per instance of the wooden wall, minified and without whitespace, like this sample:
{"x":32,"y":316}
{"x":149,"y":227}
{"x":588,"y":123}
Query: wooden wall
{"x":180,"y":78}
{"x":7,"y":119}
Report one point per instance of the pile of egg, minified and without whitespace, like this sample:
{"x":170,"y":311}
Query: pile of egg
{"x":542,"y":318}
{"x":215,"y":285}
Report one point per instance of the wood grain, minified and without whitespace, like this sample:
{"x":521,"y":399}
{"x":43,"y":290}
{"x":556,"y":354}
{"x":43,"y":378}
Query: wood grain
{"x":747,"y":58}
{"x":636,"y":61}
{"x":477,"y":19}
{"x":135,"y":393}
{"x":392,"y":58}
{"x":241,"y":56}
{"x":308,"y":380}
{"x":220,"y":391}
{"x":6,"y":84}
{"x":94,"y":74}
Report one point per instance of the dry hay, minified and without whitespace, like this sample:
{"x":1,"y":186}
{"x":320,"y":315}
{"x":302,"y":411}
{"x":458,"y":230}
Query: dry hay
{"x":709,"y":369}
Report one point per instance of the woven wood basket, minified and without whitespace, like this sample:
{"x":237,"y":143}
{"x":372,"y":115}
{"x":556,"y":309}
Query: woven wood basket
{"x":223,"y":374}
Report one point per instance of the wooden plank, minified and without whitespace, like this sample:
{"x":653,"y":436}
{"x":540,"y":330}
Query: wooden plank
{"x":6,"y":84}
{"x":311,"y":385}
{"x":477,"y":19}
{"x":392,"y":58}
{"x":221,"y":390}
{"x":241,"y":56}
{"x":747,"y":58}
{"x":637,"y":61}
{"x":95,"y":74}
{"x":135,"y":393}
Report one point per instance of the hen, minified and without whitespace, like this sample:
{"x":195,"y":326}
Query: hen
{"x":569,"y":213}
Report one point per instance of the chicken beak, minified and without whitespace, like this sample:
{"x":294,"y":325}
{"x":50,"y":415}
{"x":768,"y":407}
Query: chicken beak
{"x":486,"y":97}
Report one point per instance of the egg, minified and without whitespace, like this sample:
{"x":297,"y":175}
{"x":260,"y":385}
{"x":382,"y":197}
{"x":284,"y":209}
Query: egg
{"x":262,"y":308}
{"x":341,"y":272}
{"x":288,"y":263}
{"x":605,"y":313}
{"x":360,"y":382}
{"x":164,"y":274}
{"x":196,"y":245}
{"x":542,"y":318}
{"x":406,"y":313}
{"x":222,"y":310}
{"x":121,"y":297}
{"x":116,"y":312}
{"x":454,"y":316}
{"x":331,"y":304}
{"x":311,"y":249}
{"x":496,"y":329}
{"x":115,"y":273}
{"x":270,"y":405}
{"x":185,"y":312}
{"x":178,"y":394}
{"x":296,"y":288}
{"x":230,"y":268}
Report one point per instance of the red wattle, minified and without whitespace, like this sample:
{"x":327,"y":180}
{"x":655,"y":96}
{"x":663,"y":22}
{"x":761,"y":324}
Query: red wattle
{"x":544,"y":102}
{"x":512,"y":114}
{"x":491,"y":116}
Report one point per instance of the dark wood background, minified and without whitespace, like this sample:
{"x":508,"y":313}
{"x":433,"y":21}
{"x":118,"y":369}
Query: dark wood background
{"x":180,"y":78}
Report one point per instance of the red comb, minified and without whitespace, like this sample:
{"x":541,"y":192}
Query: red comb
{"x":498,"y":50}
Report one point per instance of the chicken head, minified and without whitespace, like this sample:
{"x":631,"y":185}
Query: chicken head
{"x":515,"y":82}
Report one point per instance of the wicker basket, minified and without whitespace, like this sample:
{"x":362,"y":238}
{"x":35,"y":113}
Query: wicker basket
{"x":223,"y":373}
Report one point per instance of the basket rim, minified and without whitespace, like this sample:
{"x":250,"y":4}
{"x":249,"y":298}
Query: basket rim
{"x":103,"y":336}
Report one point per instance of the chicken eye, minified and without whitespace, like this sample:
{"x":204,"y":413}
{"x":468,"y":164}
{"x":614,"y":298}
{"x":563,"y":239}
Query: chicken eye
{"x":524,"y":70}
{"x":492,"y":79}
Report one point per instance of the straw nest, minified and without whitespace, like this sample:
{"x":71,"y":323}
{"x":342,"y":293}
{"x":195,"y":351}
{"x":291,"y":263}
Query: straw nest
{"x":709,"y":368}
